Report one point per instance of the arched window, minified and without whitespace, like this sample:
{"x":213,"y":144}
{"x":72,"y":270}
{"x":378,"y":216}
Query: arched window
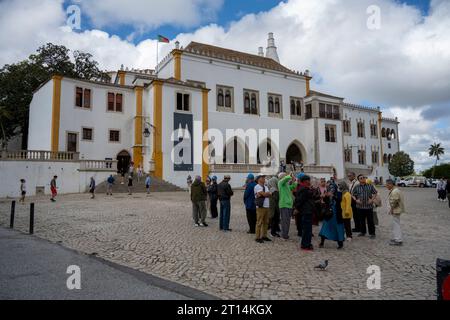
{"x":383,"y":133}
{"x":293,"y":107}
{"x":277,"y":105}
{"x":390,"y":158}
{"x":235,"y":152}
{"x":247,"y":102}
{"x":220,"y":98}
{"x":254,"y":104}
{"x":388,"y":134}
{"x":271,"y":110}
{"x":228,"y":99}
{"x":393,"y":135}
{"x":298,"y":108}
{"x":385,"y":158}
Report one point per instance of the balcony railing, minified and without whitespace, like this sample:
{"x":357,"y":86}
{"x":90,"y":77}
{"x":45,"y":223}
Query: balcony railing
{"x":255,"y":168}
{"x":34,"y":155}
{"x":98,"y":165}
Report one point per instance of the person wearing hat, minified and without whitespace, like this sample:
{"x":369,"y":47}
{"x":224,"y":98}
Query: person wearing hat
{"x":249,"y":201}
{"x":213,"y":197}
{"x":225,"y":193}
{"x":286,"y":186}
{"x":262,"y":195}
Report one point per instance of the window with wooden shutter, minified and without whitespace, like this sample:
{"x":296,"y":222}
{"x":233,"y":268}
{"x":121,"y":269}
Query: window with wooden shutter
{"x":119,"y":102}
{"x":87,"y":99}
{"x":111,"y":101}
{"x":79,"y":97}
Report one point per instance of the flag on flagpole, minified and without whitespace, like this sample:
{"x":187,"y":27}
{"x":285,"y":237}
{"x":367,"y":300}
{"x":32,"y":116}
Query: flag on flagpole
{"x":163,"y":39}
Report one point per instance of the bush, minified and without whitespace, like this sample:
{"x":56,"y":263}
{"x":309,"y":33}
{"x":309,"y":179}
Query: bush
{"x":442,"y":170}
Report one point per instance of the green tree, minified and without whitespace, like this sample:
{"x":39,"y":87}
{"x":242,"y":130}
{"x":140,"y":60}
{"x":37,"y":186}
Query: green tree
{"x":442,"y":170}
{"x":18,"y":82}
{"x":5,"y":116}
{"x":401,"y":165}
{"x":437,"y":151}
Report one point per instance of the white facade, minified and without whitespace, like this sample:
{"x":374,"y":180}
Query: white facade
{"x":306,"y":132}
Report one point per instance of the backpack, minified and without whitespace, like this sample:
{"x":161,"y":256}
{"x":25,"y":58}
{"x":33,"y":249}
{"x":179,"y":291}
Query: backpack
{"x":259,"y":201}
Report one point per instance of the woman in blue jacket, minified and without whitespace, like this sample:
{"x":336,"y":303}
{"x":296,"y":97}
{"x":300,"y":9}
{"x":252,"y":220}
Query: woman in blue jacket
{"x":249,"y":201}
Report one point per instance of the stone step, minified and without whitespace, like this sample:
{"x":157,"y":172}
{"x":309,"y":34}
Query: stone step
{"x":157,"y":185}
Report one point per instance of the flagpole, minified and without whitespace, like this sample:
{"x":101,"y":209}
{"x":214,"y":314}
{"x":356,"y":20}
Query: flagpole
{"x":157,"y":58}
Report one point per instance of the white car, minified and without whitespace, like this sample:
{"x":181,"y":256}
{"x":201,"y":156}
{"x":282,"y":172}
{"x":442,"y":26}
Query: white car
{"x":413,"y":182}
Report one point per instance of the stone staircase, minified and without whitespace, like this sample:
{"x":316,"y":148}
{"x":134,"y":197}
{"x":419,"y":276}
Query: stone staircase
{"x":157,"y":185}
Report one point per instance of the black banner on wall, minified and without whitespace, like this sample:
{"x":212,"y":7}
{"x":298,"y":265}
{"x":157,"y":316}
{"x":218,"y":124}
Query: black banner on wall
{"x":183,"y":151}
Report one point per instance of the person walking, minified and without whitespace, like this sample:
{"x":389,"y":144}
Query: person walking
{"x":353,"y":182}
{"x":130,"y":185}
{"x":333,"y":228}
{"x":92,"y":188}
{"x":148,"y":181}
{"x":346,"y":207}
{"x":213,"y":196}
{"x":109,"y":185}
{"x":364,"y":194}
{"x":198,"y":198}
{"x":274,"y":209}
{"x":249,"y":202}
{"x":440,"y":187}
{"x":53,"y":189}
{"x":262,"y":195}
{"x":304,"y":204}
{"x":23,"y":190}
{"x":286,"y":186}
{"x":225,"y":193}
{"x":396,"y":207}
{"x":140,"y":173}
{"x":447,"y":190}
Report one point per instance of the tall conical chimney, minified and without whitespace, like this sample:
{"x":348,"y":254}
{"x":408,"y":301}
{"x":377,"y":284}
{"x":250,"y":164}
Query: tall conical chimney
{"x":271,"y":51}
{"x":261,"y":51}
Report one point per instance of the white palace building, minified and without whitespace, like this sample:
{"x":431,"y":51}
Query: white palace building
{"x":138,"y":116}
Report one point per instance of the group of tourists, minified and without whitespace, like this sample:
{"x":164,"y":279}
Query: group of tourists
{"x":272,"y":203}
{"x":443,"y":190}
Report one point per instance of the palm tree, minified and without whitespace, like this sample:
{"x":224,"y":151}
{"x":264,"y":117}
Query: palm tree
{"x":437,"y":151}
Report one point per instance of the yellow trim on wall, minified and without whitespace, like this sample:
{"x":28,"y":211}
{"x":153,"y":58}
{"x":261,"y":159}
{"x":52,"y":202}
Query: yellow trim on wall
{"x":177,"y":63}
{"x":121,"y":77}
{"x":380,"y":125}
{"x":205,"y":123}
{"x":308,"y":89}
{"x":56,"y":113}
{"x":138,"y":131}
{"x":157,"y":136}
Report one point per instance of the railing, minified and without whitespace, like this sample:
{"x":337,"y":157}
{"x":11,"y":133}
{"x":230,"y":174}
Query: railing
{"x":255,"y":168}
{"x":98,"y":165}
{"x":34,"y":155}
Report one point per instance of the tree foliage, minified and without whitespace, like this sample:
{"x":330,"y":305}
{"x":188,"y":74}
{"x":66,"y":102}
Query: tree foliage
{"x":401,"y":165}
{"x":436,"y":150}
{"x":18,"y":82}
{"x":440,"y":171}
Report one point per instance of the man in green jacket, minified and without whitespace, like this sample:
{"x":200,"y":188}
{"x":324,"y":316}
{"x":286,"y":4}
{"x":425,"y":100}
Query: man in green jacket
{"x":198,"y":198}
{"x":286,"y":186}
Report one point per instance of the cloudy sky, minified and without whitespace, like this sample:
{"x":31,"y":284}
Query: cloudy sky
{"x":402,"y":65}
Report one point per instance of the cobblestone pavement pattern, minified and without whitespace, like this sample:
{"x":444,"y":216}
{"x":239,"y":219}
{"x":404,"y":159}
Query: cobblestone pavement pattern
{"x":156,"y":235}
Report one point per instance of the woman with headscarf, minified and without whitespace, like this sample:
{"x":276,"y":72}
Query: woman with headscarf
{"x":333,"y":228}
{"x":274,"y":207}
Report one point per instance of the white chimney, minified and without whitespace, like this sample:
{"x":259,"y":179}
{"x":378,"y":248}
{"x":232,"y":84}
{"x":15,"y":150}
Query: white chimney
{"x":261,"y":51}
{"x":271,"y":51}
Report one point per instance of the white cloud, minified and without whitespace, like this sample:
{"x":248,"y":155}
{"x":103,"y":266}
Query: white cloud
{"x":147,"y":14}
{"x":404,"y":64}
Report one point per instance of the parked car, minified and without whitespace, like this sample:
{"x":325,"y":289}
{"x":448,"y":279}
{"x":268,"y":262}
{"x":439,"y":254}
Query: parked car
{"x":417,"y":181}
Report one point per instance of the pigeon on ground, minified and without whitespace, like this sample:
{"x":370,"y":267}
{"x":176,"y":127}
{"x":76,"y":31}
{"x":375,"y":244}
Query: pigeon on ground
{"x":322,"y":266}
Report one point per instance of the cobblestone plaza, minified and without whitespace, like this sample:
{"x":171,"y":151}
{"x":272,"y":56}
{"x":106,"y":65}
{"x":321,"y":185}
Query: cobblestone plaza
{"x":156,"y":235}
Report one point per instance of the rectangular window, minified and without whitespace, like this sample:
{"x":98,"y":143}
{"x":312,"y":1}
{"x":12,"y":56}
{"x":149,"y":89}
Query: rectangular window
{"x":111,"y":100}
{"x":330,"y":133}
{"x":336,"y":113}
{"x":114,"y":136}
{"x":329,"y":111}
{"x":72,"y":142}
{"x":361,"y":130}
{"x":274,"y":105}
{"x":347,"y":126}
{"x":362,"y":157}
{"x":373,"y":131}
{"x":374,"y":157}
{"x":308,"y":113}
{"x":119,"y":100}
{"x":87,"y":134}
{"x":251,"y":102}
{"x":225,"y":98}
{"x":79,"y":97}
{"x":87,"y":99}
{"x":322,"y":112}
{"x":183,"y":102}
{"x":348,"y":155}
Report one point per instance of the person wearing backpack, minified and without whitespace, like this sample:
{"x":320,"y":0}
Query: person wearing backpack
{"x":262,"y":196}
